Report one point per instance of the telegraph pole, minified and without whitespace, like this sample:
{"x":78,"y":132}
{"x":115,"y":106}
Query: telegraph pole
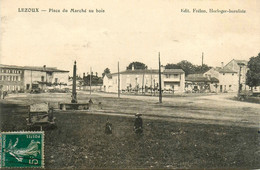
{"x":239,"y":78}
{"x":160,"y":81}
{"x":151,"y":84}
{"x":118,"y":79}
{"x":90,"y":80}
{"x":143,"y":84}
{"x":202,"y":59}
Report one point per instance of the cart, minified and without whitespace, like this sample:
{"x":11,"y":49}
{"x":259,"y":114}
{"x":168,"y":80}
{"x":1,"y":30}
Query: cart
{"x":40,"y":115}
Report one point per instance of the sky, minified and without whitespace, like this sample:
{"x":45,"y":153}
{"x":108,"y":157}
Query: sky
{"x":127,"y":31}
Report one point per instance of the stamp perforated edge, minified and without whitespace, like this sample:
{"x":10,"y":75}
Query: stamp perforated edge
{"x":23,"y":132}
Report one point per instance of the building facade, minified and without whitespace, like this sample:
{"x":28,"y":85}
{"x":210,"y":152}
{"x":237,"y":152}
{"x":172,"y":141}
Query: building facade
{"x":228,"y":79}
{"x":173,"y":80}
{"x":24,"y":78}
{"x":228,"y":76}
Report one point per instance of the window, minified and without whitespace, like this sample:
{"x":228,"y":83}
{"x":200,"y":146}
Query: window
{"x":4,"y":71}
{"x":176,"y":76}
{"x":11,"y":78}
{"x":4,"y":77}
{"x":8,"y":78}
{"x":56,"y":80}
{"x":42,"y":78}
{"x":0,"y":77}
{"x":17,"y":78}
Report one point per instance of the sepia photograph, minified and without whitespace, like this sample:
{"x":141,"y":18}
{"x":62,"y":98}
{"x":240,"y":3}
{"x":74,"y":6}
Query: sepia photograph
{"x":140,"y":84}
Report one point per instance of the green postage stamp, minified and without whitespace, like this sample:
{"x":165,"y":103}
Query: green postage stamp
{"x":22,"y":149}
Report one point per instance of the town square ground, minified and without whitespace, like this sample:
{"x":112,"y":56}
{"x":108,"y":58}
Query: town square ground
{"x":185,"y":131}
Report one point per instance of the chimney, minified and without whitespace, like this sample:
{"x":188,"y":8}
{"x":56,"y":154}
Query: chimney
{"x":133,"y":67}
{"x":83,"y":75}
{"x":222,"y":65}
{"x":44,"y":67}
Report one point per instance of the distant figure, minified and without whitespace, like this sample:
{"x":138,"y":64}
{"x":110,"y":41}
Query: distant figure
{"x":100,"y":105}
{"x":90,"y":101}
{"x":138,"y":126}
{"x":4,"y":94}
{"x":108,"y":128}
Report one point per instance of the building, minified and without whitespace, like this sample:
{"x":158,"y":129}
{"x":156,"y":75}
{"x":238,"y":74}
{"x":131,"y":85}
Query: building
{"x":234,"y":65}
{"x":228,"y":79}
{"x":25,"y":78}
{"x":173,"y":80}
{"x":200,"y":83}
{"x":228,"y":76}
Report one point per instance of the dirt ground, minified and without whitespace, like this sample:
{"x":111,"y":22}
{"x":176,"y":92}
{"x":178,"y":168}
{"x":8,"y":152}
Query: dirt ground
{"x":183,"y":132}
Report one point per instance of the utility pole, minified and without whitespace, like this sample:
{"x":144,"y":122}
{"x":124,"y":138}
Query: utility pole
{"x":143,"y":84}
{"x":31,"y":80}
{"x":202,"y":59}
{"x":160,"y":81}
{"x":154,"y":87}
{"x":151,"y":84}
{"x":118,"y":79}
{"x":239,"y":78}
{"x":90,"y":80}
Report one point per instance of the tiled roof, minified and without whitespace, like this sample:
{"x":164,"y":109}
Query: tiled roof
{"x":241,"y":61}
{"x":225,"y":70}
{"x":173,"y":71}
{"x":33,"y":68}
{"x":200,"y":78}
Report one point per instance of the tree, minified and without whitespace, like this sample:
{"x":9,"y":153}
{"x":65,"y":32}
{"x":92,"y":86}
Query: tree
{"x":202,"y":69}
{"x":172,"y":66}
{"x":187,"y":67}
{"x":95,"y":80}
{"x":106,"y":71}
{"x":253,"y":74}
{"x":137,"y":65}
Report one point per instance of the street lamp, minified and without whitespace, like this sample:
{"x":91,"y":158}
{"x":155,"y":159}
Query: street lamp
{"x":239,"y":78}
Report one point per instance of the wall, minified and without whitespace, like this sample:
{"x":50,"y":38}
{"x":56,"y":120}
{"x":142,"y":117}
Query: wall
{"x":234,"y":66}
{"x":148,"y":80}
{"x":227,"y":80}
{"x":63,"y":77}
{"x":11,"y":79}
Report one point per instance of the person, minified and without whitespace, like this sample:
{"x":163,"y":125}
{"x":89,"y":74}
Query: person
{"x":138,"y":126}
{"x":108,"y":128}
{"x":4,"y":94}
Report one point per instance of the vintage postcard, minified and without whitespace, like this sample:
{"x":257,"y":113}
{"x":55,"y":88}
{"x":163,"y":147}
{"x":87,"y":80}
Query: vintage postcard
{"x":130,"y":84}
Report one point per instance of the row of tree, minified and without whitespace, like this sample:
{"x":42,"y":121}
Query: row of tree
{"x":185,"y":65}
